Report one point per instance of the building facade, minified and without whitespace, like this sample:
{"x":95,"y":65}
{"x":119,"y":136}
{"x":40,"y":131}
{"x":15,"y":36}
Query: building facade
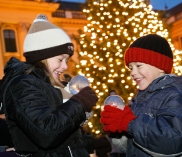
{"x":174,"y":19}
{"x":16,"y":16}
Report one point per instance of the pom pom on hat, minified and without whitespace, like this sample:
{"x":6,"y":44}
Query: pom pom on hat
{"x":151,"y":49}
{"x":45,"y":40}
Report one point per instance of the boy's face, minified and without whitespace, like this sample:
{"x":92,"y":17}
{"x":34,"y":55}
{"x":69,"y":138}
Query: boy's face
{"x":143,"y":74}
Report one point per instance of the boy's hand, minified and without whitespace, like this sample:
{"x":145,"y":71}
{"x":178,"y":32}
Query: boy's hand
{"x":116,"y":120}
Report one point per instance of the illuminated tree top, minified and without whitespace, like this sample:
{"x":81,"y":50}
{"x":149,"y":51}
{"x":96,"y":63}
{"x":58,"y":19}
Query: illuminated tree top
{"x":112,"y":26}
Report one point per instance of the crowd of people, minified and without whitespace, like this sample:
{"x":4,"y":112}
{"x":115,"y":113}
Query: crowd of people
{"x":39,"y":118}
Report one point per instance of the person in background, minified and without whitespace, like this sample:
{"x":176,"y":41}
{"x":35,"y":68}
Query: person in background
{"x":154,"y":121}
{"x":6,"y":143}
{"x":38,"y":120}
{"x":112,"y":92}
{"x":66,"y":78}
{"x":5,"y":139}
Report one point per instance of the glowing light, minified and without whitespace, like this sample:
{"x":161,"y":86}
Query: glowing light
{"x":106,"y":36}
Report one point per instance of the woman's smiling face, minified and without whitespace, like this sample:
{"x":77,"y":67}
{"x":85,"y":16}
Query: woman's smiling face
{"x":57,"y":65}
{"x":143,"y":74}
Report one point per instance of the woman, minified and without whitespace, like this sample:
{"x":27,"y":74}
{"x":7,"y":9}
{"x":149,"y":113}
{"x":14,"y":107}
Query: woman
{"x":39,"y":122}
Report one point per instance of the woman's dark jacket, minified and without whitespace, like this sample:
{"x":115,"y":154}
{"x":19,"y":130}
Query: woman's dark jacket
{"x":157,"y":131}
{"x":39,"y":122}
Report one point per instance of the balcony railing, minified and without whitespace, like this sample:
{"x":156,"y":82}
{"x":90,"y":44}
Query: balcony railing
{"x":69,"y":14}
{"x":174,"y":18}
{"x":59,"y":13}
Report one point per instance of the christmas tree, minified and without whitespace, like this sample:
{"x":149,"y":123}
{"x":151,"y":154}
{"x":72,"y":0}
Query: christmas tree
{"x":112,"y":26}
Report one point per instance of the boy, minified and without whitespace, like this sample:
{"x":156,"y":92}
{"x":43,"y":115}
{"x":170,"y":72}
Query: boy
{"x":154,"y":122}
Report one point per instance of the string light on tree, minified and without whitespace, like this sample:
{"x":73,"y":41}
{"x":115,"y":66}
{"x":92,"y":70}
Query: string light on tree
{"x":112,"y":26}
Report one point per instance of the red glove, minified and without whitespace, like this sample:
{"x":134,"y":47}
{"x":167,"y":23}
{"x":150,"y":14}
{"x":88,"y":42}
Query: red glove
{"x":116,"y":120}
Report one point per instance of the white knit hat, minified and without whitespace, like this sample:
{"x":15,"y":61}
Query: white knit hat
{"x":45,"y":40}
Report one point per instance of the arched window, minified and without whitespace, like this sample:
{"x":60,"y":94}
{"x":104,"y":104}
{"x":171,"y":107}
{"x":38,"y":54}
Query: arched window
{"x":9,"y":41}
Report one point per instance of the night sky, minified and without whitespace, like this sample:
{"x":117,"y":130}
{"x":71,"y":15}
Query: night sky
{"x":160,"y":4}
{"x":157,"y":4}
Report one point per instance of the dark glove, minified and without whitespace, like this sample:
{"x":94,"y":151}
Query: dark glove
{"x":102,"y":146}
{"x":116,"y":120}
{"x":87,"y":97}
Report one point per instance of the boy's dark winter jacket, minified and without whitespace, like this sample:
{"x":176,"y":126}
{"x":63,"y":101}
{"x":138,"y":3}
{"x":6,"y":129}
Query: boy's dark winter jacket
{"x":157,"y":131}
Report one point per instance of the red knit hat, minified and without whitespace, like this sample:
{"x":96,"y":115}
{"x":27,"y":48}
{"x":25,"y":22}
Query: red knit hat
{"x":151,"y":49}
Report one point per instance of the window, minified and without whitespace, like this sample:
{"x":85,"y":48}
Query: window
{"x":9,"y":43}
{"x":9,"y":40}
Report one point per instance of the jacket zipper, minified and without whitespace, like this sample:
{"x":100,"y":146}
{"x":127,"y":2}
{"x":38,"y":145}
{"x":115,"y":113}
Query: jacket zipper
{"x":70,"y":151}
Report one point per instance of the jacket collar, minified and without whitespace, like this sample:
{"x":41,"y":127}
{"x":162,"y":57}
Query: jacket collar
{"x":161,"y":82}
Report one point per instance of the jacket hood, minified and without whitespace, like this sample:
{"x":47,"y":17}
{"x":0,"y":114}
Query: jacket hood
{"x":13,"y":68}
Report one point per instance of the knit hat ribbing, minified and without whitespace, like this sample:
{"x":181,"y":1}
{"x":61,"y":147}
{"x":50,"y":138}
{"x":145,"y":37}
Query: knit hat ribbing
{"x":151,"y":49}
{"x":45,"y":40}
